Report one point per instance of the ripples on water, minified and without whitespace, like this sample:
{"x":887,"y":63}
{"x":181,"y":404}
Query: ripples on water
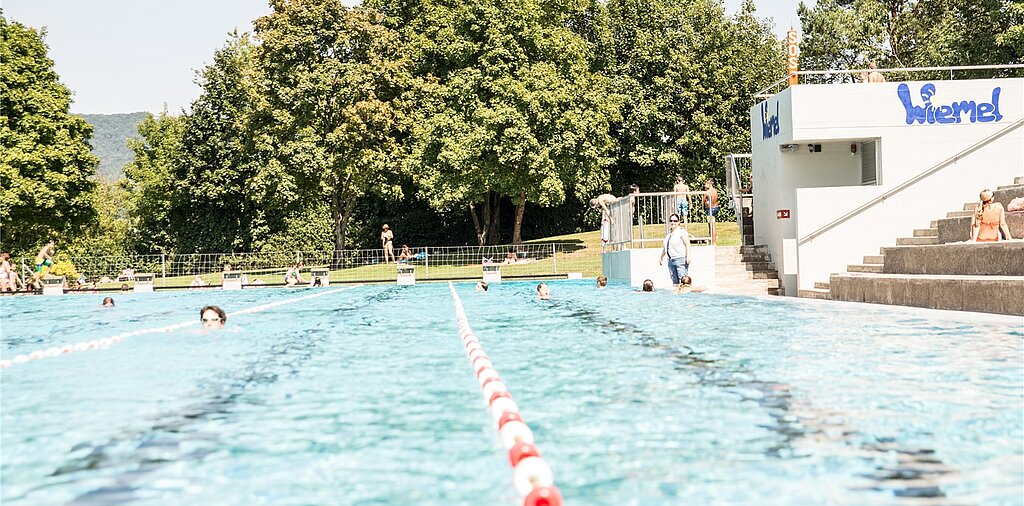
{"x":365,"y":395}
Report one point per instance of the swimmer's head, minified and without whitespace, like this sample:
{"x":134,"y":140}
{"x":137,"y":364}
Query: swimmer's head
{"x":108,"y":302}
{"x":213,"y":317}
{"x":648,"y":285}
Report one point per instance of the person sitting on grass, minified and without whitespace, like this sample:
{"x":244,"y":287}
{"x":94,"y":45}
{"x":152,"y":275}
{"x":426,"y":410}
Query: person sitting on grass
{"x":405,"y":254}
{"x":686,"y":286}
{"x":197,"y":282}
{"x":293,"y":277}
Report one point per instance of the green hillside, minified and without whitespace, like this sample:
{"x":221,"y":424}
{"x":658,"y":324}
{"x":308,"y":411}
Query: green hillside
{"x":109,"y":141}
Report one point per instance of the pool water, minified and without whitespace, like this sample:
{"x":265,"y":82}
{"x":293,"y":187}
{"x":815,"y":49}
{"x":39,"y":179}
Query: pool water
{"x":365,"y":396}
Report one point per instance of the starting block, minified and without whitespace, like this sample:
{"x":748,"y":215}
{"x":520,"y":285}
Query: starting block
{"x":321,"y":273}
{"x":492,"y":273}
{"x":53,"y":285}
{"x":232,"y":280}
{"x":144,"y":282}
{"x":406,"y":274}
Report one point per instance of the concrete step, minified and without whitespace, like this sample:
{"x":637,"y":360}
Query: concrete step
{"x":1001,"y":258}
{"x":933,"y":224}
{"x":736,"y":250}
{"x":970,"y":206}
{"x":959,"y":229}
{"x":926,"y":232}
{"x":916,"y":241}
{"x":951,"y":292}
{"x":1010,"y":187}
{"x":959,"y":214}
{"x":727,"y":258}
{"x":745,"y":266}
{"x":874,"y":259}
{"x":1018,"y":180}
{"x":878,"y":268}
{"x":748,"y":240}
{"x":742,"y":276}
{"x":821,"y":285}
{"x":815,"y":293}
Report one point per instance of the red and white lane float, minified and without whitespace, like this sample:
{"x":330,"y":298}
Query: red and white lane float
{"x":106,"y":342}
{"x":531,"y":474}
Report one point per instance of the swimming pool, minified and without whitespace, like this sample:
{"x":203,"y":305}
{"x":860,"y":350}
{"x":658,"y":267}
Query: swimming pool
{"x":364,"y":395}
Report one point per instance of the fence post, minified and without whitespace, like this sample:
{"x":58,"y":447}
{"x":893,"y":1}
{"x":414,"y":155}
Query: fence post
{"x":163,"y":270}
{"x":426,"y":258}
{"x":554,"y":256}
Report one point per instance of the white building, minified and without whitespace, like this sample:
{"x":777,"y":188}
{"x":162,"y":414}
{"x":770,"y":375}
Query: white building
{"x":842,"y":169}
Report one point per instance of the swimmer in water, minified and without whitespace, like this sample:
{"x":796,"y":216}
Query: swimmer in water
{"x":213,"y":317}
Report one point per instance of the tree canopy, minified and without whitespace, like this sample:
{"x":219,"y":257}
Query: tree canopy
{"x":45,"y":166}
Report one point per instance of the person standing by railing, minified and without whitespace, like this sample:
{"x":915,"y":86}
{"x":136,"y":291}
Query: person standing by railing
{"x":601,"y":202}
{"x":711,"y":204}
{"x":677,"y":248}
{"x":682,"y":204}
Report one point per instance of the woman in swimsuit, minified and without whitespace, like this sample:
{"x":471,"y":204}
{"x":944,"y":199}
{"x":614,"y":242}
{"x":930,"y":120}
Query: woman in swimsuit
{"x":988,"y":220}
{"x":7,"y":281}
{"x":386,"y":240}
{"x":293,"y":276}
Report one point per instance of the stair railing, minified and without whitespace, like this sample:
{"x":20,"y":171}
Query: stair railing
{"x":914,"y":180}
{"x":734,"y":184}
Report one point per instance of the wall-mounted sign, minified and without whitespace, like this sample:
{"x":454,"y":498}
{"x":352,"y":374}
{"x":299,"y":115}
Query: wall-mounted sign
{"x":954,"y":112}
{"x":769,"y":124}
{"x":782,"y":214}
{"x":792,"y":55}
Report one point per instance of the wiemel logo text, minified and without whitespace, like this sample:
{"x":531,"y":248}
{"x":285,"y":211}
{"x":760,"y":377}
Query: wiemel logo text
{"x":982,"y":112}
{"x":769,"y":124}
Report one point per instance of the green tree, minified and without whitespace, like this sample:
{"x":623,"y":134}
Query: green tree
{"x":45,"y":165}
{"x":111,"y":235}
{"x":151,"y":184}
{"x":511,"y":105}
{"x":333,"y":111}
{"x":219,"y":181}
{"x":844,"y":34}
{"x":689,"y":73}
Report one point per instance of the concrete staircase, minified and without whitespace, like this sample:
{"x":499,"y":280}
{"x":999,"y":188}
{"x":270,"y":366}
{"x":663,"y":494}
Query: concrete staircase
{"x":935,"y":268}
{"x":746,"y":270}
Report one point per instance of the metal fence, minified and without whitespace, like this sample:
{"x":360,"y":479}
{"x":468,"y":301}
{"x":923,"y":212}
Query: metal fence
{"x":366,"y":265}
{"x":640,"y":220}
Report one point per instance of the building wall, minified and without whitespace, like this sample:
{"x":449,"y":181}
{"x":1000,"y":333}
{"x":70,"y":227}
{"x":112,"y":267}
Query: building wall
{"x":836,"y":115}
{"x":636,"y":265}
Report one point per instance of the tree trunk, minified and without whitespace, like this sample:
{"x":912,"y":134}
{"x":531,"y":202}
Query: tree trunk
{"x":341,"y":212}
{"x":517,"y":236}
{"x":495,"y":229}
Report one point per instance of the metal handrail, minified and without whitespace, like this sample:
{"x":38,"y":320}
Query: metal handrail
{"x":914,"y":180}
{"x":764,"y":93}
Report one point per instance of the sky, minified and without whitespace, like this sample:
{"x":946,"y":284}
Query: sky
{"x":142,"y":55}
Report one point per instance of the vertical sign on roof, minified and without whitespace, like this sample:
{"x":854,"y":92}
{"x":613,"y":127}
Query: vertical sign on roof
{"x":792,"y":55}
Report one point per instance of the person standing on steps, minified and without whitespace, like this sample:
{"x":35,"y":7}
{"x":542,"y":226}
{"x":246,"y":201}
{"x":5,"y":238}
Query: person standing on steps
{"x":677,"y":248}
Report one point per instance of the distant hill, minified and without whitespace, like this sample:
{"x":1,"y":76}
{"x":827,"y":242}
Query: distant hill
{"x":110,"y":136}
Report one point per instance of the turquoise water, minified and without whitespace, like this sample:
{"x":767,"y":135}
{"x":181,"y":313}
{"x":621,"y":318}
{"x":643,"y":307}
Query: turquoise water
{"x":365,"y":396}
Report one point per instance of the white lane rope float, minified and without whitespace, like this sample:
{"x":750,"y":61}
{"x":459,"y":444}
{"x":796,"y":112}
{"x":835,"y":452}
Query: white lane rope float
{"x":531,"y":474}
{"x":106,"y":342}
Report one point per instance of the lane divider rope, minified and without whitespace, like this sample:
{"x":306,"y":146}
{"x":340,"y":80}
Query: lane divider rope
{"x":106,"y":342}
{"x":531,"y":474}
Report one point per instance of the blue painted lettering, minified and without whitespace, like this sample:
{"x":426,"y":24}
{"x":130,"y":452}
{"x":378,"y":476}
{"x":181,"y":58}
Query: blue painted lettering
{"x":983,"y":112}
{"x":769,"y":124}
